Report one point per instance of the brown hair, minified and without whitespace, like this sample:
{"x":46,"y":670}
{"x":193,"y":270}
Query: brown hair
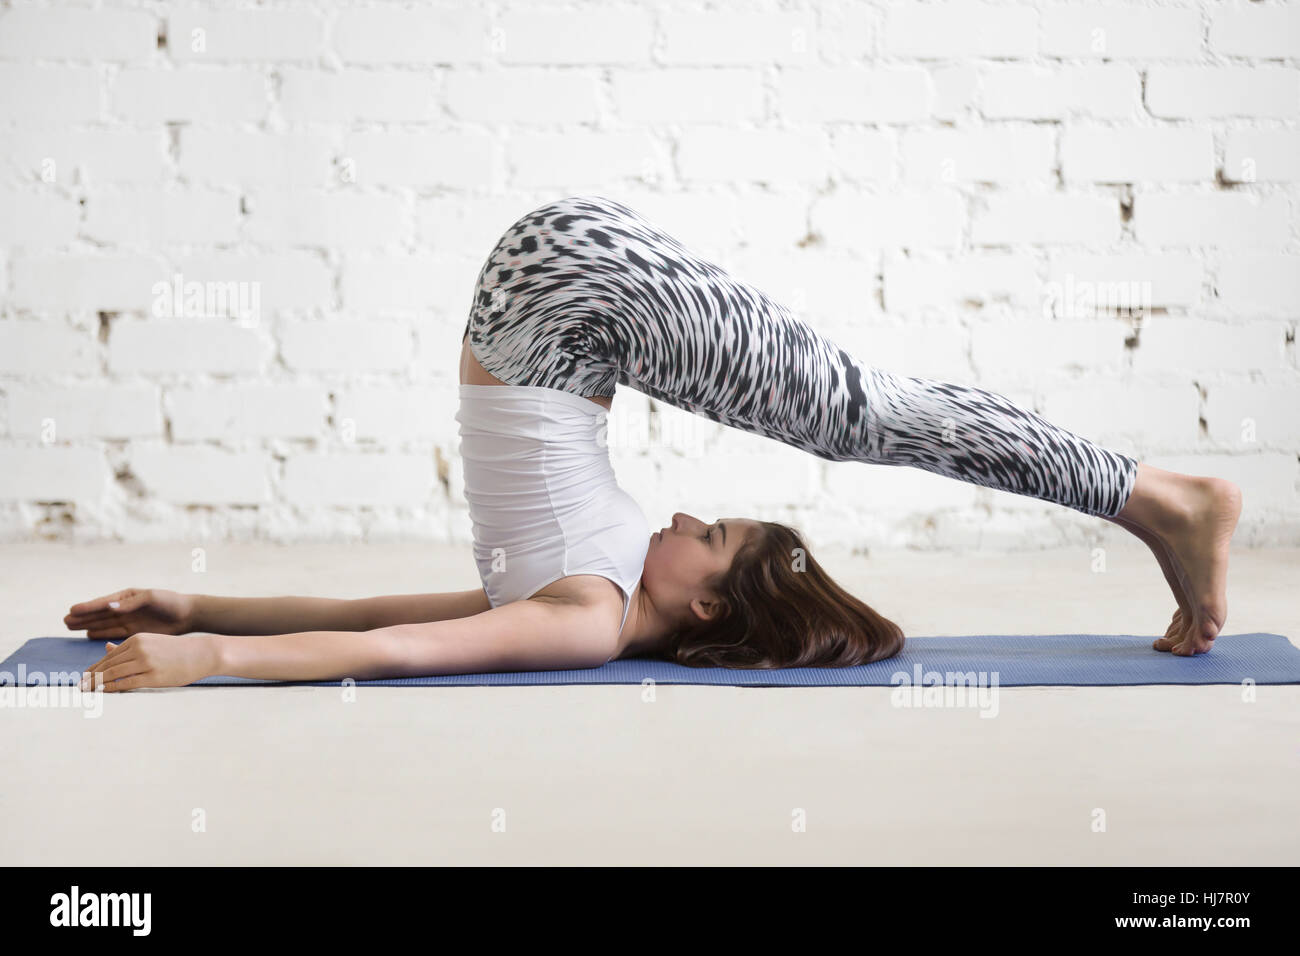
{"x":781,"y":609}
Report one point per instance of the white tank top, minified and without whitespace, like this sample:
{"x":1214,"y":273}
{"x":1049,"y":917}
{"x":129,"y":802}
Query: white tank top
{"x":542,"y":495}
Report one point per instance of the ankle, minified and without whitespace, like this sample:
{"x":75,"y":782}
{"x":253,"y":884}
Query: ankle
{"x":1164,"y":502}
{"x":1180,"y":504}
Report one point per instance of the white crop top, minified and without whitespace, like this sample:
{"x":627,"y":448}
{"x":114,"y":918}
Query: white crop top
{"x":542,"y":495}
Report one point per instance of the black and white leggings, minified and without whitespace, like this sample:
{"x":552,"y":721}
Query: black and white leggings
{"x":584,"y":293}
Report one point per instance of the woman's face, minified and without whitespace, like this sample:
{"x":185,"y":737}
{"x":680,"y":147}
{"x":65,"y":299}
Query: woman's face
{"x":684,"y":555}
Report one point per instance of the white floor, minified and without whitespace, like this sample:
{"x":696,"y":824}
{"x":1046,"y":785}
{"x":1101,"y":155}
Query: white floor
{"x":1184,"y":775}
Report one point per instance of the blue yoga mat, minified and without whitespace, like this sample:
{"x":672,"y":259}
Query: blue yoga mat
{"x":1073,"y":660}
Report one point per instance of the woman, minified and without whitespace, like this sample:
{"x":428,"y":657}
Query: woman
{"x":580,"y":295}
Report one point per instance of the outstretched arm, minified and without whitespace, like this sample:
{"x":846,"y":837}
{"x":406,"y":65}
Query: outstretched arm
{"x":283,"y":615}
{"x":535,"y":634}
{"x":159,"y":611}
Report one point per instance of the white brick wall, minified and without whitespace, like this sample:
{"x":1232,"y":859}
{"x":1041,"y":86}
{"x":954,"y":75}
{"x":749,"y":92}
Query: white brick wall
{"x":238,"y":242}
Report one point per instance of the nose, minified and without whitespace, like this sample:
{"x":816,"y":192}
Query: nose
{"x":681,"y":520}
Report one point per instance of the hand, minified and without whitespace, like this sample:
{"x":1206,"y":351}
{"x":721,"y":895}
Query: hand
{"x":153,"y":660}
{"x":131,"y":611}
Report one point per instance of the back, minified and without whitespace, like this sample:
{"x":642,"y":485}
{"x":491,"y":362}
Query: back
{"x":542,"y":494}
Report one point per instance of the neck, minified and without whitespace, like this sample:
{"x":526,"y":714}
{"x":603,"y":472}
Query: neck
{"x":646,"y":627}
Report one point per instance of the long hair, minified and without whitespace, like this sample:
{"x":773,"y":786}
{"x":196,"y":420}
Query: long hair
{"x":781,"y":609}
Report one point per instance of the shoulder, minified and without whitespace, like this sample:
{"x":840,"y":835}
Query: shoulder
{"x":595,"y":599}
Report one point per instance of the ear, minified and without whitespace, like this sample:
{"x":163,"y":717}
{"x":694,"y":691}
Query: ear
{"x":705,"y":610}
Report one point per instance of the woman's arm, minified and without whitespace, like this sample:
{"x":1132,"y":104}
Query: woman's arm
{"x":284,"y":615}
{"x":158,"y":611}
{"x":534,"y":634}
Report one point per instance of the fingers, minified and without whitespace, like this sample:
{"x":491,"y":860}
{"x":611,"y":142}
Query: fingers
{"x":123,"y":667}
{"x":113,"y":676}
{"x":105,"y":609}
{"x":112,"y":651}
{"x":106,"y":631}
{"x":94,"y":623}
{"x":87,"y":621}
{"x":102,"y":605}
{"x":142,"y":679}
{"x":120,"y":661}
{"x":97,"y":604}
{"x":130,"y":683}
{"x":102,"y":614}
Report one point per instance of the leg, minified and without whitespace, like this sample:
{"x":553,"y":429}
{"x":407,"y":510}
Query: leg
{"x":584,"y":293}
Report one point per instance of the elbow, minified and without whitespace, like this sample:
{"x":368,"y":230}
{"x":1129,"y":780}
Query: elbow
{"x":601,"y":647}
{"x":591,"y":661}
{"x":605,"y":652}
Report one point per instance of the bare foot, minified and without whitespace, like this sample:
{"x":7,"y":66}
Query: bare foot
{"x":1200,"y":548}
{"x":1193,"y":518}
{"x":1166,"y":562}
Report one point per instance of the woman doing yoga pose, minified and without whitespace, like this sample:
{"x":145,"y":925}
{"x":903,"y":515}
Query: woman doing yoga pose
{"x":583,"y":294}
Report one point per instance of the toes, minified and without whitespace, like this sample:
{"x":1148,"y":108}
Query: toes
{"x":1187,"y":638}
{"x":1190,"y":645}
{"x":1203,"y":632}
{"x":1172,"y":633}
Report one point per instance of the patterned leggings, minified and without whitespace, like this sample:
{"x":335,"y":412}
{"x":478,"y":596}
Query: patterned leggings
{"x":584,"y":293}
